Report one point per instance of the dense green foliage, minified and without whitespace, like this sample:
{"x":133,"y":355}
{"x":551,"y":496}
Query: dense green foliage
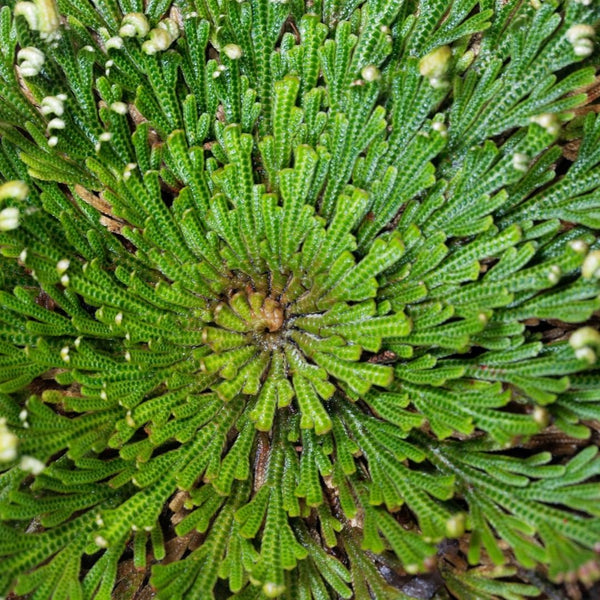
{"x":275,"y":282}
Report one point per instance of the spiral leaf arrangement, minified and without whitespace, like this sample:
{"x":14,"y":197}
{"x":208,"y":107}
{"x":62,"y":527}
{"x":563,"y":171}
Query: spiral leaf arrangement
{"x":276,"y":279}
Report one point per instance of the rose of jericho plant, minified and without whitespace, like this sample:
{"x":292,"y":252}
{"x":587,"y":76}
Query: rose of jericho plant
{"x":277,"y":279}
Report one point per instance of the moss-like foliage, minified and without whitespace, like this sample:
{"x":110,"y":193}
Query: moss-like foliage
{"x":279,"y":282}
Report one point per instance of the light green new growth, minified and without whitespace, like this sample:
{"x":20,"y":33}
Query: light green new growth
{"x":276,"y":283}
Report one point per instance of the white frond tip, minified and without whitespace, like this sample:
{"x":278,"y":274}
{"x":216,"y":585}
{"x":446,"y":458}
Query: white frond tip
{"x":584,"y":336}
{"x":581,"y":38}
{"x":233,"y":51}
{"x":273,"y":590}
{"x":62,"y":265}
{"x":100,"y":542}
{"x":440,"y":127}
{"x":115,"y":43}
{"x":30,"y":11}
{"x":30,"y":61}
{"x":134,"y":25}
{"x":161,"y":37}
{"x":554,"y":274}
{"x":8,"y":443}
{"x":32,"y":465}
{"x":579,"y":246}
{"x":520,"y":161}
{"x":53,"y":105}
{"x":591,"y":265}
{"x":370,"y":73}
{"x":41,"y":16}
{"x":56,"y":123}
{"x":587,"y":354}
{"x":548,"y":121}
{"x":119,"y":107}
{"x":17,"y":190}
{"x":541,"y":416}
{"x":217,"y":72}
{"x":585,"y":341}
{"x":9,"y":218}
{"x":128,"y":169}
{"x":171,"y":27}
{"x":435,"y":65}
{"x":64,"y":354}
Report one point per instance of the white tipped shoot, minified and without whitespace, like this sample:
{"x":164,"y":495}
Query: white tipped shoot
{"x":8,"y":443}
{"x":548,"y":121}
{"x":161,"y":37}
{"x":581,"y":38}
{"x":31,"y":465}
{"x":62,"y":265}
{"x":541,"y":416}
{"x":119,"y":107}
{"x":585,"y":341}
{"x":134,"y":25}
{"x":370,"y":73}
{"x":9,"y":218}
{"x":56,"y":123}
{"x":128,"y":169}
{"x":30,"y":61}
{"x":435,"y":65}
{"x":114,"y":43}
{"x":554,"y":274}
{"x":100,"y":542}
{"x":42,"y":16}
{"x":53,"y":105}
{"x":578,"y":246}
{"x":272,"y":590}
{"x":233,"y":51}
{"x":520,"y":161}
{"x":591,"y":265}
{"x":440,"y":127}
{"x":18,"y":190}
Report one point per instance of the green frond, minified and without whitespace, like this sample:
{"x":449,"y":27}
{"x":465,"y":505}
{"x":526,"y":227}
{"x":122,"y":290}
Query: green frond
{"x":293,"y":294}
